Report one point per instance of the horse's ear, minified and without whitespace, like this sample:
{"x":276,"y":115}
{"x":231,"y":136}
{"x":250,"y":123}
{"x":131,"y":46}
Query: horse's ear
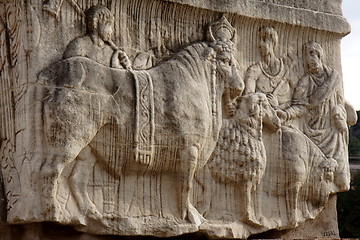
{"x":210,"y":36}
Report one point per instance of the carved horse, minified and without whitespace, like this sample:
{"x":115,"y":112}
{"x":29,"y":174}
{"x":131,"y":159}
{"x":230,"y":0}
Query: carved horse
{"x":184,"y":102}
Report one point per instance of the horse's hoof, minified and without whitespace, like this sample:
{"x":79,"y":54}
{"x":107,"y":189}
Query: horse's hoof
{"x":293,"y":223}
{"x":195,"y":217}
{"x":253,"y":221}
{"x":110,"y":215}
{"x":94,"y":214}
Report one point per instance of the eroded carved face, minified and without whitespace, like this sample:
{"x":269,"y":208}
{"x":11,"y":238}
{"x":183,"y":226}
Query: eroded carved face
{"x":223,"y":34}
{"x":105,"y":30}
{"x":313,"y":61}
{"x":266,"y":45}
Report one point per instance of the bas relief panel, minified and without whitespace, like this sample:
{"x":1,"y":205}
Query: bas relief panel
{"x":232,"y":129}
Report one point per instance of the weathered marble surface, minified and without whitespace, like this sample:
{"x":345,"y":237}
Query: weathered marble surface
{"x":165,"y":118}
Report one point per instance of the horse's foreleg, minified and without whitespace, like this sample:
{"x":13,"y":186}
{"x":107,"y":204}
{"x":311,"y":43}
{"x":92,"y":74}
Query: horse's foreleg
{"x":294,"y":156}
{"x":206,"y":182}
{"x":296,"y":174}
{"x":189,"y":158}
{"x":78,"y":182}
{"x":292,"y":198}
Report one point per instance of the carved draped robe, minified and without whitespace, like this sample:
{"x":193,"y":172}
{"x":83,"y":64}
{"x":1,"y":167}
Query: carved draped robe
{"x":320,"y":101}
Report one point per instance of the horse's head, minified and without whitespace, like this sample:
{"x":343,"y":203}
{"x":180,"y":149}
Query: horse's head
{"x":227,"y":67}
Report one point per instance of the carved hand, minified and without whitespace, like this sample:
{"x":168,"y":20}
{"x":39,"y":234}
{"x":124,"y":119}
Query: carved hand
{"x":340,"y":123}
{"x":124,"y":60}
{"x":272,"y":100}
{"x":282,"y":115}
{"x":339,"y":116}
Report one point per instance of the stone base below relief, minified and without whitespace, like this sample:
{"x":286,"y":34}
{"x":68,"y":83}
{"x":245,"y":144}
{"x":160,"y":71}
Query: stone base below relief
{"x":324,"y":226}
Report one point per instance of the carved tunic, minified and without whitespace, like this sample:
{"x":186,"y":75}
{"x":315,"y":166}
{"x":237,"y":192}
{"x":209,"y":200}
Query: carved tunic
{"x":259,"y":80}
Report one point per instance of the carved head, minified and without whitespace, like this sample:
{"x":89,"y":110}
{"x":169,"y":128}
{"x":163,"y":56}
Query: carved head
{"x":227,"y":66}
{"x":221,"y":30}
{"x":100,"y":20}
{"x":268,"y":39}
{"x":312,"y":54}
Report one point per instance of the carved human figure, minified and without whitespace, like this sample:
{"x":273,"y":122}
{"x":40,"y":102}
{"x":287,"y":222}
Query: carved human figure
{"x":97,"y":44}
{"x":318,"y":99}
{"x":270,"y":75}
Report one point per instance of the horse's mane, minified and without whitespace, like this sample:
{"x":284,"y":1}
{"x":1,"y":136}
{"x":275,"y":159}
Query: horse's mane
{"x":192,"y":59}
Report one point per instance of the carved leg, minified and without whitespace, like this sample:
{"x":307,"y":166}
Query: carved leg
{"x":50,"y":173}
{"x":295,"y":171}
{"x":296,"y":176}
{"x":203,"y":181}
{"x":78,"y":183}
{"x":189,"y":158}
{"x":251,"y":203}
{"x":292,"y":196}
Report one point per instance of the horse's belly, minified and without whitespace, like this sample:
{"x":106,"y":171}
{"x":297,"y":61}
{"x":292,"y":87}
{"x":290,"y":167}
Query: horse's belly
{"x":114,"y":147}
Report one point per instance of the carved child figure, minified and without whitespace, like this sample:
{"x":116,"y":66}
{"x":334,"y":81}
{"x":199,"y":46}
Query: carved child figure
{"x":96,"y":44}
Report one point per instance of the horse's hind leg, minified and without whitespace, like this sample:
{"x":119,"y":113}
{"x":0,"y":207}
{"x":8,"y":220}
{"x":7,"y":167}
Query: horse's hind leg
{"x":78,"y":181}
{"x":189,"y":158}
{"x":50,"y":173}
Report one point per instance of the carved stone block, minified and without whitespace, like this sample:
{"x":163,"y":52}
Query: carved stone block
{"x":171,"y":117}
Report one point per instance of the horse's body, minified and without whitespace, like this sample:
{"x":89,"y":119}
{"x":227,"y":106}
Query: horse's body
{"x":88,"y":100}
{"x":309,"y":175}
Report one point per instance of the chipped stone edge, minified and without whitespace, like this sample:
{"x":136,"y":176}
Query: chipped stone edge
{"x":317,"y":20}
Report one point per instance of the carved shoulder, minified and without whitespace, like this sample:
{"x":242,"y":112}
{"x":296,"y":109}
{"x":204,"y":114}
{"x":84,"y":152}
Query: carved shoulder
{"x":76,"y":47}
{"x":301,"y":90}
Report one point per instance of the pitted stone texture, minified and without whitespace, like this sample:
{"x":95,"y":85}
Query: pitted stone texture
{"x":163,"y":118}
{"x":320,"y":14}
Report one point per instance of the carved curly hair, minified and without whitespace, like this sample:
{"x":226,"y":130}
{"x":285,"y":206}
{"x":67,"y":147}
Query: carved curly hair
{"x":307,"y":47}
{"x":96,"y":14}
